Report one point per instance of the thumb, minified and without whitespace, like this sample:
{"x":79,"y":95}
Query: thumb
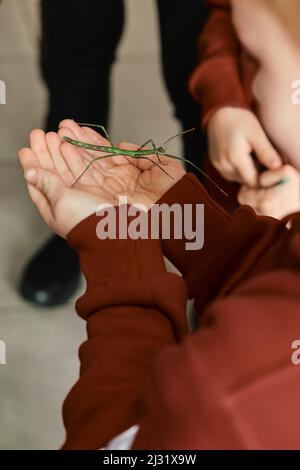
{"x":265,"y":152}
{"x":47,"y":182}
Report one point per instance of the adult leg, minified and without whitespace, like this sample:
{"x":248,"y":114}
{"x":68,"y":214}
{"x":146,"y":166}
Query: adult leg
{"x":180,"y":26}
{"x":78,"y":45}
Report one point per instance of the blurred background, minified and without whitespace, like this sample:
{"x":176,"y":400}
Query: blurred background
{"x":42,"y":344}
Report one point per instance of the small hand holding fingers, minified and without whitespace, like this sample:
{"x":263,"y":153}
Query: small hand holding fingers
{"x":244,"y":166}
{"x":251,"y":197}
{"x":265,"y":152}
{"x":285,"y":173}
{"x":227,"y":170}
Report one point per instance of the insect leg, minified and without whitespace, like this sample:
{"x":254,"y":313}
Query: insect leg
{"x":150,"y":141}
{"x":100,"y":127}
{"x":89,"y":165}
{"x":156,"y":164}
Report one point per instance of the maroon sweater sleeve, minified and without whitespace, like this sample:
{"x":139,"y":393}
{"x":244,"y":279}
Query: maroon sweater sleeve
{"x":226,"y":238}
{"x":189,"y":191}
{"x":133,"y":308}
{"x":232,"y":384}
{"x":216,"y":83}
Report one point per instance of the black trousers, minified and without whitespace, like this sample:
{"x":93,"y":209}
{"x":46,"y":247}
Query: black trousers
{"x":78,"y":47}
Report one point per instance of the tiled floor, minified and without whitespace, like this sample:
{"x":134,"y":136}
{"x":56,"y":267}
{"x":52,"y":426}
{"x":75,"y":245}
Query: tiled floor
{"x":42,"y":345}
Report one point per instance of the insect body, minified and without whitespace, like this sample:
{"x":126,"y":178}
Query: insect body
{"x":115,"y":150}
{"x":141,"y":153}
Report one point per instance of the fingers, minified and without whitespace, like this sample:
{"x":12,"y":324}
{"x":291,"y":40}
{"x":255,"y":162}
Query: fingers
{"x":251,"y":197}
{"x":233,"y":136}
{"x":61,"y":207}
{"x":46,"y":153}
{"x":74,"y":158}
{"x":72,"y":126}
{"x":79,"y":134}
{"x":272,"y":177}
{"x":237,"y":164}
{"x":124,"y":158}
{"x":42,"y":204}
{"x":142,"y":164}
{"x":273,"y":199}
{"x":49,"y":184}
{"x":84,"y":134}
{"x":244,"y":166}
{"x":39,"y":147}
{"x":226,"y":165}
{"x":28,"y":159}
{"x":54,"y":146}
{"x":45,"y":188}
{"x":95,"y":137}
{"x":265,"y":152}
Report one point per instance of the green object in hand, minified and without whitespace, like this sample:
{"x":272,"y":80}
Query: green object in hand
{"x":282,"y":181}
{"x":141,"y":153}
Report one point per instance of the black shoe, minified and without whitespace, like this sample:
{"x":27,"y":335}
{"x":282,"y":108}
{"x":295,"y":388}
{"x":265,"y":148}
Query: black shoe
{"x":52,"y":275}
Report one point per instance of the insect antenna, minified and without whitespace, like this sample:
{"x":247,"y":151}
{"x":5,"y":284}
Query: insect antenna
{"x":87,"y":124}
{"x":165,"y":144}
{"x":98,"y":126}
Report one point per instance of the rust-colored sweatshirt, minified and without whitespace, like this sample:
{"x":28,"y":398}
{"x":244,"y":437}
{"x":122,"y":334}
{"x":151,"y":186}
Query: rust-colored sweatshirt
{"x":250,"y":59}
{"x":230,"y":384}
{"x":225,"y":72}
{"x":241,"y":41}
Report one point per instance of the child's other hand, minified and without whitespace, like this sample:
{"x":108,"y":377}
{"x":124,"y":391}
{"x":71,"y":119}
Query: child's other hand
{"x":233,"y":134}
{"x":271,"y":199}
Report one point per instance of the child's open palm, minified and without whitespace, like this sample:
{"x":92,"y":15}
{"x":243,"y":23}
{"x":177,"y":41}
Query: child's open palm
{"x":51,"y":168}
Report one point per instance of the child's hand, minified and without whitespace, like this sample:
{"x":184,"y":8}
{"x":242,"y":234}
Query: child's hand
{"x":234,"y":133}
{"x":51,"y":167}
{"x":272,"y":199}
{"x":143,"y":179}
{"x":49,"y":181}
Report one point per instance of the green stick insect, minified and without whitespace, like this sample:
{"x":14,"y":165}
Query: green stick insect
{"x":141,"y":153}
